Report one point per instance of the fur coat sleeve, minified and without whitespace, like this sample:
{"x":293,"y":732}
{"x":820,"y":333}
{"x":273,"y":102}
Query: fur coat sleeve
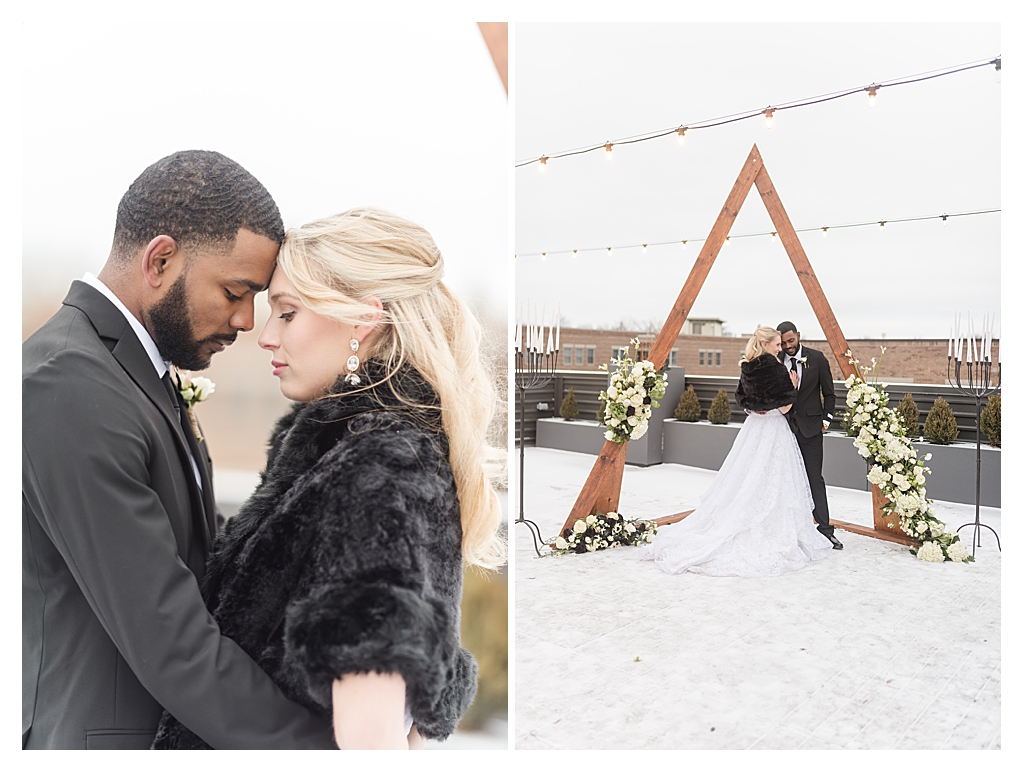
{"x":386,"y":573}
{"x":764,"y":384}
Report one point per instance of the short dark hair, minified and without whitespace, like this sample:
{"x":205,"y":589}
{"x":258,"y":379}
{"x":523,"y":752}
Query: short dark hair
{"x":198,"y":198}
{"x":785,"y":327}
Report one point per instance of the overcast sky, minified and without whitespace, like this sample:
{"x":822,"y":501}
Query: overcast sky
{"x":927,"y":148}
{"x":328,"y":116}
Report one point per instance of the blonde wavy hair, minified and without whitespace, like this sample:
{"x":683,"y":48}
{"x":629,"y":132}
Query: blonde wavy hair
{"x":337,"y":261}
{"x":756,"y":345}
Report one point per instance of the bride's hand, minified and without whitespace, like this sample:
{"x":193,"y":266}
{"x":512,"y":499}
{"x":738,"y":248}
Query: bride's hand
{"x":416,"y":742}
{"x":369,"y":712}
{"x":794,"y":377}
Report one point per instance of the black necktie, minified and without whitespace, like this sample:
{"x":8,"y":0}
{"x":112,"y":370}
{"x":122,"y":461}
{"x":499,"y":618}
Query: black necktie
{"x":793,"y":368}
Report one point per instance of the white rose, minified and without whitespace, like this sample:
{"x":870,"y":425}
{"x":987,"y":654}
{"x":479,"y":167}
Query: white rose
{"x":609,"y":435}
{"x":203,"y":388}
{"x":630,"y":528}
{"x":633,"y":420}
{"x":612,"y":515}
{"x":580,"y":526}
{"x":560,"y":544}
{"x":639,"y":431}
{"x":612,"y":392}
{"x":591,"y":519}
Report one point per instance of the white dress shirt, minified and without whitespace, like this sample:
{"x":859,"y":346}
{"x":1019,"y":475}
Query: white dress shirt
{"x":159,"y":363}
{"x":799,"y":365}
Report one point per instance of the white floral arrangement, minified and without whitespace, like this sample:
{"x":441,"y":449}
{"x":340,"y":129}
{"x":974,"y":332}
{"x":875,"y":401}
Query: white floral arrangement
{"x":630,"y":397}
{"x":602,"y":531}
{"x":880,"y":437}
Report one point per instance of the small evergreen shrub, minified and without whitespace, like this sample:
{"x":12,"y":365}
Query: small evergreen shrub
{"x":720,"y":411}
{"x":909,"y":414}
{"x":991,"y":420}
{"x":940,"y":426}
{"x":688,"y":406}
{"x":569,"y":408}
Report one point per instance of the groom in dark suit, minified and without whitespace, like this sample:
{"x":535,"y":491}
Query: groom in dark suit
{"x":118,"y":511}
{"x":813,"y":412}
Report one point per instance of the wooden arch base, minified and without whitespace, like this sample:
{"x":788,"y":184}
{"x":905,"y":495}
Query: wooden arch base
{"x":602,"y":489}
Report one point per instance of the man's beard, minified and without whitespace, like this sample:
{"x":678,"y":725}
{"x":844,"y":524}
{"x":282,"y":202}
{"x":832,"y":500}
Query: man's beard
{"x":168,"y":323}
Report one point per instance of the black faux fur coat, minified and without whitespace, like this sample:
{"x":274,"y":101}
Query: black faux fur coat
{"x":347,"y":557}
{"x":764,"y":384}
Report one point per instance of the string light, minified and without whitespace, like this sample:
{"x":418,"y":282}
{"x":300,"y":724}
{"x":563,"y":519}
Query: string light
{"x":543,"y":163}
{"x":774,"y":234}
{"x":872,"y":95}
{"x":769,"y":116}
{"x":768,"y":113}
{"x":644,"y":249}
{"x":682,"y":136}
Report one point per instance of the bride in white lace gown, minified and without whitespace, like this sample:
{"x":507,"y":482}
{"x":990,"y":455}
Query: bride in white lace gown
{"x":756,"y":519}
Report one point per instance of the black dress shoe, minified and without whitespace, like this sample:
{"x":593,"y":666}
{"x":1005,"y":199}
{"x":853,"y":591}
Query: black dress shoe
{"x":835,"y":543}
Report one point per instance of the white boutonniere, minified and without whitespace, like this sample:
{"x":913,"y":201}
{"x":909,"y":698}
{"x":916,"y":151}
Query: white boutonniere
{"x":802,"y":361}
{"x":194,"y":390}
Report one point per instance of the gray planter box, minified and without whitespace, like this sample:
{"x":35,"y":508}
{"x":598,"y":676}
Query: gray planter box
{"x":953,"y":467}
{"x":588,"y":436}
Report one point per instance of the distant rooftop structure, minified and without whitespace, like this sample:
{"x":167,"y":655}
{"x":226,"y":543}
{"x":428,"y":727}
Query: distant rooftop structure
{"x":712,"y":327}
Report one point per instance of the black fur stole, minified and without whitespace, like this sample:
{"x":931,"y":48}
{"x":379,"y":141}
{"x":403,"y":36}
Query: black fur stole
{"x":764,"y":384}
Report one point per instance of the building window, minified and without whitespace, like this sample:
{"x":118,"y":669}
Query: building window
{"x":589,"y":355}
{"x":673,"y":358}
{"x":718,"y":357}
{"x":568,"y":355}
{"x":698,"y":330}
{"x":702,"y":353}
{"x":619,"y":351}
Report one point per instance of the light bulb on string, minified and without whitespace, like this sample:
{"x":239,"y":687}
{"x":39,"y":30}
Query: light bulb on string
{"x":944,"y":220}
{"x":728,"y":240}
{"x":607,"y":150}
{"x":682,"y":135}
{"x":609,"y":250}
{"x":774,"y":236}
{"x":769,"y":117}
{"x":685,"y":244}
{"x":543,"y":256}
{"x":872,"y":95}
{"x":998,"y":70}
{"x":543,"y":163}
{"x":881,"y":223}
{"x":575,"y":253}
{"x":644,"y":249}
{"x":824,"y":231}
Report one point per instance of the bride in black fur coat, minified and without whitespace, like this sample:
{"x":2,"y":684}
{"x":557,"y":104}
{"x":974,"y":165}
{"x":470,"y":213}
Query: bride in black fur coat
{"x":756,"y":519}
{"x":342,"y":575}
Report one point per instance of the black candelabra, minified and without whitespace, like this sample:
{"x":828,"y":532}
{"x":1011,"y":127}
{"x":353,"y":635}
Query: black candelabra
{"x":535,"y":363}
{"x":972,"y":353}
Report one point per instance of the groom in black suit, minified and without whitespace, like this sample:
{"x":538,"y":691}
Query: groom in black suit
{"x":118,"y":512}
{"x":813,"y":412}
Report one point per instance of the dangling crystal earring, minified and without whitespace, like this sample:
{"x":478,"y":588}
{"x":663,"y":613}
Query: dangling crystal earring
{"x":353,"y":365}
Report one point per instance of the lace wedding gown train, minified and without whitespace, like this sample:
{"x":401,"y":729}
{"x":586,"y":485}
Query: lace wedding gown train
{"x":756,"y":519}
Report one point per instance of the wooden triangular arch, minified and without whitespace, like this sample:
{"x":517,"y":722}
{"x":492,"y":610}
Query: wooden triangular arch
{"x":602,"y":489}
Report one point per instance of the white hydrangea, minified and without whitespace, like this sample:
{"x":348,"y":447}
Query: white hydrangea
{"x":957,"y":552}
{"x":930,"y":551}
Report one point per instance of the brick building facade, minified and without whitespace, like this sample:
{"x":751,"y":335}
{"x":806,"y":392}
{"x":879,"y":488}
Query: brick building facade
{"x":905,"y":361}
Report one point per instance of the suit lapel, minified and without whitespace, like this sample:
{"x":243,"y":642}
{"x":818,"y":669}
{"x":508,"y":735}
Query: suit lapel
{"x":201,"y":461}
{"x":131,"y":355}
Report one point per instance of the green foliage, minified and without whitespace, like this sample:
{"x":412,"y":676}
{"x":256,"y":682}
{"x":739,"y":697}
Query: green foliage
{"x":991,"y":420}
{"x":909,"y":415}
{"x":940,"y":426}
{"x":720,"y":411}
{"x":569,"y":408}
{"x":688,"y":406}
{"x":485,"y":634}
